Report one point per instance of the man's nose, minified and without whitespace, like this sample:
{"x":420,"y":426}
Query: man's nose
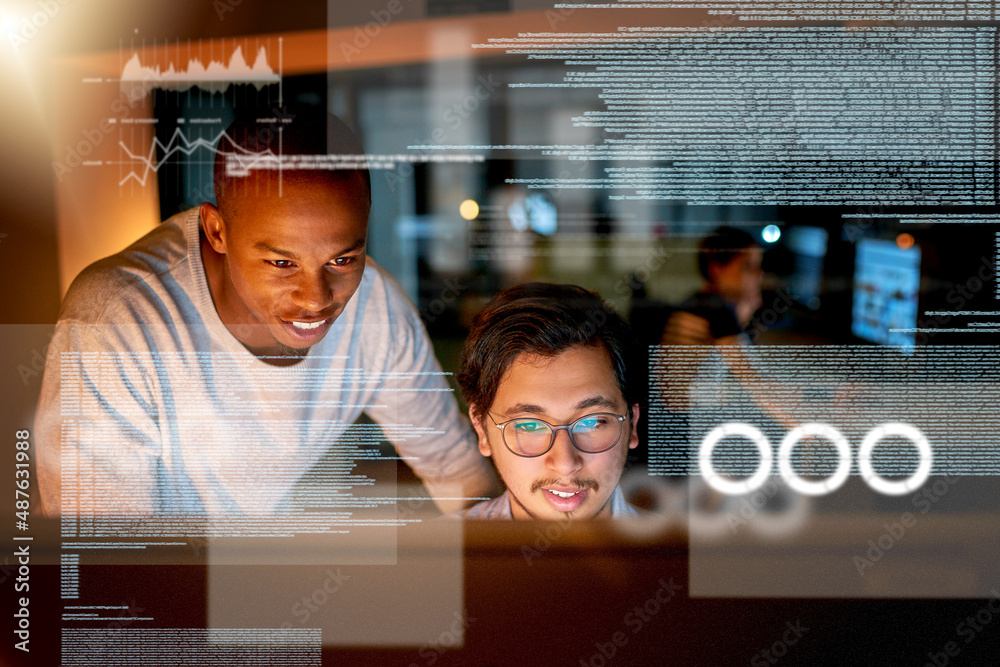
{"x":313,"y":293}
{"x":563,"y":458}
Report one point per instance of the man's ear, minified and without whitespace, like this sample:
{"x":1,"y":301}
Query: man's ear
{"x":484,"y":442}
{"x":712,"y":269}
{"x":633,"y":440}
{"x":214,"y":227}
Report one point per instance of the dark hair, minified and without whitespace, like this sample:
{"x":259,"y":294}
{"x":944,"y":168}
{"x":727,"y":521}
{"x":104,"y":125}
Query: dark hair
{"x":542,"y":319}
{"x":303,"y":131}
{"x":721,"y":247}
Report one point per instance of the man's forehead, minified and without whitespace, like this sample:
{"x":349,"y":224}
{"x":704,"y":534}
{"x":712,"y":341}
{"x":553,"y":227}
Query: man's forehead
{"x":275,"y":201}
{"x":268,"y":185}
{"x":594,"y":357}
{"x":575,"y":376}
{"x":291,"y":249}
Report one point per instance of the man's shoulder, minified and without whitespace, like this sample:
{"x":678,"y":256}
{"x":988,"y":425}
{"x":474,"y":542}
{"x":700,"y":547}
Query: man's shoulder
{"x":380,"y":282}
{"x":716,"y":310}
{"x":139,"y":269}
{"x":380,"y":296}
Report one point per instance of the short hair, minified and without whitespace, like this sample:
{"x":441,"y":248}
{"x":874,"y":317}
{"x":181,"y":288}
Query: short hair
{"x":303,"y":131}
{"x":721,"y":247}
{"x":543,"y":319}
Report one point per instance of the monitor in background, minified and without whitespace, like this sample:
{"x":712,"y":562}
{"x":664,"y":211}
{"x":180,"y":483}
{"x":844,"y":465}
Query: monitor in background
{"x":886,"y":284}
{"x":809,"y":247}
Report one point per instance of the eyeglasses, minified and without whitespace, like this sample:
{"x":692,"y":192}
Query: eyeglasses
{"x":530,"y":437}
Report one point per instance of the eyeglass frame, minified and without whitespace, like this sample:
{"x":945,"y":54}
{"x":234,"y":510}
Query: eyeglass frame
{"x":555,"y":429}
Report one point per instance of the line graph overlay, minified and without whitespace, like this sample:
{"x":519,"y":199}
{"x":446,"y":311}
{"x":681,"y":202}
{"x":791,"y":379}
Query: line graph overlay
{"x":178,"y":143}
{"x":240,"y":161}
{"x":194,"y":75}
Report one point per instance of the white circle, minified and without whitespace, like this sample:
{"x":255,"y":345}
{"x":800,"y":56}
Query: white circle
{"x":911,"y":483}
{"x":729,"y":487}
{"x":828,"y":485}
{"x":771,"y":233}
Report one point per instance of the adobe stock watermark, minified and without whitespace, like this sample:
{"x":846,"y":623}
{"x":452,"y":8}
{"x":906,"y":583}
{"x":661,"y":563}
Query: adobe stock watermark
{"x":203,"y":193}
{"x":451,"y":638}
{"x":450,"y":293}
{"x":544,"y":539}
{"x":223,"y":7}
{"x":455,"y":115}
{"x":751,"y":505}
{"x":779,"y":649}
{"x":958,"y":297}
{"x":635,"y":620}
{"x":894,"y":532}
{"x":30,"y":25}
{"x":460,"y":111}
{"x":36,"y":362}
{"x":414,"y":504}
{"x":968,"y":628}
{"x":655,"y":259}
{"x":310,"y":604}
{"x":364,"y":35}
{"x":198,"y":545}
{"x":766,"y":317}
{"x":127,"y":615}
{"x":75,"y":154}
{"x":559,"y":14}
{"x":579,"y":169}
{"x":7,"y":570}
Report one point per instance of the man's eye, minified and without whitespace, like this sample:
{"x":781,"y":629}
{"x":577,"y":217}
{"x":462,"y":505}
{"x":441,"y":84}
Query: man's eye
{"x":343,"y":261}
{"x":591,"y":423}
{"x":280,"y":263}
{"x":529,"y":427}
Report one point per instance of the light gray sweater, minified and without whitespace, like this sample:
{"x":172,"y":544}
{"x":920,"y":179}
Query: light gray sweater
{"x":150,"y":406}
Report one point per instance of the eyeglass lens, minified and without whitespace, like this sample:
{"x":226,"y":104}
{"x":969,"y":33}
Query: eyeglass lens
{"x":593,"y":433}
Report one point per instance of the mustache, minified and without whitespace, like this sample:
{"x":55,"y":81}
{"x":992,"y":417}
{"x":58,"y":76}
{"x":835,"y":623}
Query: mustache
{"x":579,"y":482}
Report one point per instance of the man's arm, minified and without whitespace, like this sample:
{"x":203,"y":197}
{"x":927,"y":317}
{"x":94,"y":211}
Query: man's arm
{"x":685,"y":328}
{"x":416,"y":392}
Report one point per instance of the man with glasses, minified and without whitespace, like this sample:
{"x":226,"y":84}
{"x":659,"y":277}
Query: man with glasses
{"x":548,"y":372}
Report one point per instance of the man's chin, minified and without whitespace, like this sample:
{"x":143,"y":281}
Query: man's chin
{"x":280,"y":345}
{"x":283,"y":350}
